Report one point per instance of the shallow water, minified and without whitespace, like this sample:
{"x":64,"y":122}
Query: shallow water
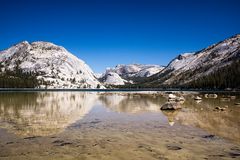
{"x":92,"y":125}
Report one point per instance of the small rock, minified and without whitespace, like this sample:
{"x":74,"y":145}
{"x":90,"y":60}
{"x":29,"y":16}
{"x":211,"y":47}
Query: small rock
{"x":140,"y":146}
{"x":233,"y":97}
{"x":198,"y":101}
{"x":30,"y":138}
{"x":212,"y":95}
{"x":95,"y":144}
{"x":220,"y":108}
{"x":180,"y":99}
{"x":197,"y":98}
{"x":234,"y":155}
{"x":9,"y":142}
{"x":237,"y":103}
{"x":172,"y":96}
{"x":208,"y":136}
{"x":95,"y":121}
{"x":225,"y":99}
{"x":175,"y":148}
{"x":58,"y":141}
{"x":206,"y":95}
{"x":235,"y":149}
{"x":65,"y":143}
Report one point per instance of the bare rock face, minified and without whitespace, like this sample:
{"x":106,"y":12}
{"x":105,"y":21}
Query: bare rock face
{"x":53,"y":64}
{"x":122,"y":74}
{"x":112,"y":78}
{"x":171,"y":106}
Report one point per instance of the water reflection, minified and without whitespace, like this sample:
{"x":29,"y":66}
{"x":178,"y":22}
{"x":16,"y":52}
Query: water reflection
{"x":171,"y":115}
{"x":132,"y":103}
{"x":203,"y":115}
{"x":200,"y":114}
{"x":42,"y":114}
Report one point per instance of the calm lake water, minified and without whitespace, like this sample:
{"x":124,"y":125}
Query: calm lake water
{"x":93,"y":125}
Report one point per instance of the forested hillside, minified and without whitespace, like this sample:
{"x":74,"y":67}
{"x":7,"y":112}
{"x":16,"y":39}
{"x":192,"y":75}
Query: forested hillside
{"x":16,"y":78}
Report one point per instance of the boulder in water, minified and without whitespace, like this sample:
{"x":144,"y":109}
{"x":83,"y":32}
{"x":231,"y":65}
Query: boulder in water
{"x":171,"y":106}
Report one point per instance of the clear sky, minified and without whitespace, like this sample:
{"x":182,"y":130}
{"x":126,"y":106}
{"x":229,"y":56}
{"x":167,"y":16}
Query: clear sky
{"x":108,"y":32}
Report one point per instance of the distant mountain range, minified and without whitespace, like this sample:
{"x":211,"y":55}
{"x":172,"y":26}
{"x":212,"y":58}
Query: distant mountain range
{"x":46,"y":65}
{"x":128,"y":74}
{"x":215,"y":66}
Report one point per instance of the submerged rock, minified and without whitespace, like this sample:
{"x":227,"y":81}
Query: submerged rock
{"x":172,"y":96}
{"x":198,"y":101}
{"x":206,"y":95}
{"x":220,"y":108}
{"x":224,"y":99}
{"x":212,"y":95}
{"x":233,"y":97}
{"x":180,"y":99}
{"x":197,"y":98}
{"x":210,"y":136}
{"x":171,"y":106}
{"x":173,"y":147}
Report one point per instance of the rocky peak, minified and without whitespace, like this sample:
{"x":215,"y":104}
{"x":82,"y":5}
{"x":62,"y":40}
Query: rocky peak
{"x":47,"y":46}
{"x":54,"y":64}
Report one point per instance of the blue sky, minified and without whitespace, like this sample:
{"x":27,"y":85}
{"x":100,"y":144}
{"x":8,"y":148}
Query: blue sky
{"x":108,"y":32}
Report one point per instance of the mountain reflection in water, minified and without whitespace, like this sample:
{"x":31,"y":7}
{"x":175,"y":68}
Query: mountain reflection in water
{"x":48,"y":113}
{"x":42,"y":114}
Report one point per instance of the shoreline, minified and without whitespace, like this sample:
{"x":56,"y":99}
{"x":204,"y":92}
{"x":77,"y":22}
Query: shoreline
{"x":115,"y":90}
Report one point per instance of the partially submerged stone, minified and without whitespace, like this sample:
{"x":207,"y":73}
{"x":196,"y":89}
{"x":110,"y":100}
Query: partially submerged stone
{"x":172,"y":96}
{"x":220,"y":108}
{"x":233,"y":97}
{"x":180,"y":99}
{"x":198,"y":101}
{"x":197,"y":98}
{"x":225,"y":99}
{"x":173,"y":147}
{"x":212,"y":95}
{"x":171,"y":106}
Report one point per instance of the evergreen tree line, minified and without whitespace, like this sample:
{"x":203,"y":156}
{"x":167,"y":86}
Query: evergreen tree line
{"x":16,"y":78}
{"x":225,"y":77}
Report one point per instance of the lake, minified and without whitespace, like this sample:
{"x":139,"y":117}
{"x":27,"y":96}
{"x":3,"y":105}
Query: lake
{"x":117,"y":125}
